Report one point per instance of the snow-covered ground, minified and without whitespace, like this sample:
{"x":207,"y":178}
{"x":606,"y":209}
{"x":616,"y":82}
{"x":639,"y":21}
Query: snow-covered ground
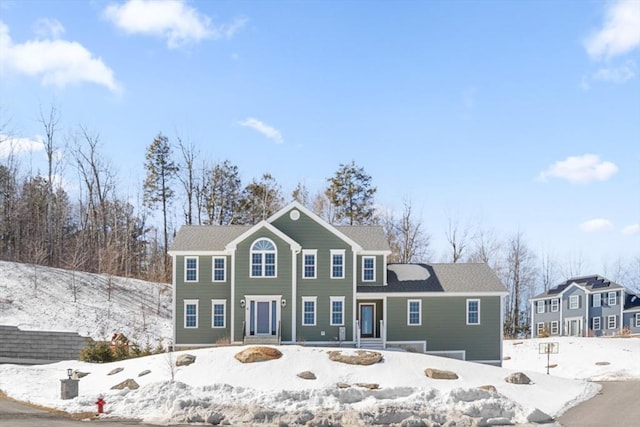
{"x":42,"y":298}
{"x":219,"y":389}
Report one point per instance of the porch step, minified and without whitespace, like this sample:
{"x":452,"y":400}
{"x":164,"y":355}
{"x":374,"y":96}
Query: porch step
{"x":371,"y":343}
{"x":264,"y":340}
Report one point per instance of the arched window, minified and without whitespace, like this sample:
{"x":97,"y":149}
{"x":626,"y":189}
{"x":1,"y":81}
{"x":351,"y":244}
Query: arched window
{"x":263,"y":258}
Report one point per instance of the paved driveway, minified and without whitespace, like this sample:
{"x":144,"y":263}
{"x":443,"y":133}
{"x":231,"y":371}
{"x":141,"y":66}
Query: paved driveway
{"x":616,"y":405}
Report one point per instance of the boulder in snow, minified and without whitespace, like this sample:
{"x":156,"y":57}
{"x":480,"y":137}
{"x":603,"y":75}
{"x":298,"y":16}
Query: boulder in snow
{"x":185,"y":360}
{"x":307,"y":375}
{"x":79,"y":374}
{"x":115,"y":371}
{"x":438,"y":374}
{"x":539,"y":417}
{"x":258,"y":354}
{"x":360,"y":357}
{"x":145,"y":372}
{"x":489,"y":387}
{"x":342,"y":385}
{"x":518,"y":378}
{"x":369,"y":386}
{"x":128,"y":383}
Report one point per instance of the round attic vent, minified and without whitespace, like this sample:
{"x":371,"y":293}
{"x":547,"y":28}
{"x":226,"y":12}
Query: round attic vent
{"x":294,"y":215}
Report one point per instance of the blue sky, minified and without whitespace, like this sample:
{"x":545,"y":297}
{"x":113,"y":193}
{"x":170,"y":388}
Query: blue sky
{"x":515,"y":116}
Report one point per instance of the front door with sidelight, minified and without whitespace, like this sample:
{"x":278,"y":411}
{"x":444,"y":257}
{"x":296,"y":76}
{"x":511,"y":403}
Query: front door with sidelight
{"x":367,"y":320}
{"x":262,"y":315}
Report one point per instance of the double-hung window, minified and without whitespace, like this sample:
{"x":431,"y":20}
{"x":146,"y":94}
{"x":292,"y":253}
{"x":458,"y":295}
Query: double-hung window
{"x":612,"y":321}
{"x":337,"y":311}
{"x":555,"y":304}
{"x":337,"y":263}
{"x":574,"y":302}
{"x":368,"y":269}
{"x":414,"y":312}
{"x":597,"y":300}
{"x":218,"y":309}
{"x":309,"y":257}
{"x":473,"y":312}
{"x":554,"y":327}
{"x":540,"y":305}
{"x":540,"y":328}
{"x":263,"y":258}
{"x":596,"y":323}
{"x":219,"y":273}
{"x":190,"y":269}
{"x":637,"y":320}
{"x":613,"y":298}
{"x":309,"y":311}
{"x":191,"y":313}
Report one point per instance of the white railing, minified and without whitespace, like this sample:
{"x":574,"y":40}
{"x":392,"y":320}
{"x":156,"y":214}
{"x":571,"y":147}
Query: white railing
{"x":357,"y":334}
{"x":383,"y":334}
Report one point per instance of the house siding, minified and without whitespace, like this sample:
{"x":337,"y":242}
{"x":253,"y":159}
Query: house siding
{"x":444,"y":325}
{"x":379,"y":268}
{"x":204,"y":290}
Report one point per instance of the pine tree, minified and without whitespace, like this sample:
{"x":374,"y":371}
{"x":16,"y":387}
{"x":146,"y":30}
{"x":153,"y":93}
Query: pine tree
{"x":351,"y":194}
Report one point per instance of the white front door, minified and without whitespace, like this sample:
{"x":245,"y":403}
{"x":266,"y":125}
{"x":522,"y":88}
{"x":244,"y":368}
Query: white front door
{"x":573,"y":326}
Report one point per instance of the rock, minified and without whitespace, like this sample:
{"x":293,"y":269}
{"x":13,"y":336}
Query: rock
{"x":307,"y":375}
{"x":258,"y":354}
{"x":553,"y":365}
{"x":185,"y":360}
{"x":489,"y":387}
{"x":539,"y":417}
{"x":342,"y":385}
{"x":517,"y":342}
{"x":115,"y":371}
{"x":128,"y":383}
{"x":438,"y":374}
{"x":79,"y":374}
{"x":361,"y":357}
{"x":369,"y":386}
{"x":602,"y":363}
{"x":145,"y":372}
{"x":518,"y":378}
{"x":506,"y":358}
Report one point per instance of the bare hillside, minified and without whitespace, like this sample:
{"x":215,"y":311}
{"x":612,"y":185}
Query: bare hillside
{"x":96,"y":305}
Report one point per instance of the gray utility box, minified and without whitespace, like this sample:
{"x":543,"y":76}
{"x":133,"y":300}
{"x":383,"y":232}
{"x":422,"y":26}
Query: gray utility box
{"x":68,"y":389}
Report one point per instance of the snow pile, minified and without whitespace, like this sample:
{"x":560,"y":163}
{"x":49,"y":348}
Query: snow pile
{"x":595,"y":359}
{"x":96,"y":305}
{"x":218,"y":388}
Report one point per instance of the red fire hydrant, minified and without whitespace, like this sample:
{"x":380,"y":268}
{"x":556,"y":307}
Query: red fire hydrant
{"x":100,"y":402}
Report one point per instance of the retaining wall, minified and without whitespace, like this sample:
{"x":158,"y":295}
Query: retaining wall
{"x":18,"y":346}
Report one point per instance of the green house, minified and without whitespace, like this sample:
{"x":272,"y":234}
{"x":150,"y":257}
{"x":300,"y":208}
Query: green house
{"x":296,"y":279}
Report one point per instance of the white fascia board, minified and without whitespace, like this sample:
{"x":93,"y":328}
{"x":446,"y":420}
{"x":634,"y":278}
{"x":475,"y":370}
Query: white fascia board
{"x":354,"y":246}
{"x":380,"y":295}
{"x":295,"y":246}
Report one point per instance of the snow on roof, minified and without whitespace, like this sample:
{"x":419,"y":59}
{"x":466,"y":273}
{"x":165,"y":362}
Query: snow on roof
{"x":406,"y":272}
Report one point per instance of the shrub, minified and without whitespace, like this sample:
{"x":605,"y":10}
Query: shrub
{"x":97,"y":352}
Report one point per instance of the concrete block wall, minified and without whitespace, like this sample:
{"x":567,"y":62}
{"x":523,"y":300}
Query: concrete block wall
{"x":16,"y":344}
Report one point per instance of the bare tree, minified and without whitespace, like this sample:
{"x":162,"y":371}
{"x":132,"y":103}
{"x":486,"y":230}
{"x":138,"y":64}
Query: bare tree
{"x":520,"y":279}
{"x":187,"y":177}
{"x":408,"y":241}
{"x":548,"y":270}
{"x":301,"y":194}
{"x":575,"y":266}
{"x":459,"y":237}
{"x":50,"y":124}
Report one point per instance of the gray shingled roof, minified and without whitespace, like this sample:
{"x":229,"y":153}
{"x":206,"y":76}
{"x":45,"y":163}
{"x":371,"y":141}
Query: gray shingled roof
{"x":458,"y":277}
{"x":206,"y":237}
{"x":370,"y":237}
{"x":592,"y":283}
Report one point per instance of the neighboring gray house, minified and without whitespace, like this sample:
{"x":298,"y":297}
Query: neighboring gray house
{"x":585,"y":306}
{"x":294,"y":278}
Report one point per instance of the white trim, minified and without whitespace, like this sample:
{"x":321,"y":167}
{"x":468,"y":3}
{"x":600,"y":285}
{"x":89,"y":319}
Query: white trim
{"x":332,"y":253}
{"x":440,"y":352}
{"x":315,"y":310}
{"x":331,"y":301}
{"x":378,"y":295}
{"x":615,"y":321}
{"x":213,"y":268}
{"x":186,"y":270}
{"x":557,"y":305}
{"x":613,"y":294}
{"x":261,"y":298}
{"x":199,"y":253}
{"x":314,"y":253}
{"x":557,"y":327}
{"x":467,"y":313}
{"x":354,"y":246}
{"x":599,"y":299}
{"x":263,"y":259}
{"x":540,"y":307}
{"x":409,"y":301}
{"x":190,"y":302}
{"x":174,"y":302}
{"x":637,"y":320}
{"x":233,"y":302}
{"x":539,"y":328}
{"x":222,"y":302}
{"x":234,"y":243}
{"x":572,"y":299}
{"x":294,"y":295}
{"x":373,"y":321}
{"x":366,"y":257}
{"x":593,"y":323}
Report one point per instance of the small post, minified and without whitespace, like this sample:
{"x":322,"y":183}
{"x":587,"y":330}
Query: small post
{"x":69,"y":386}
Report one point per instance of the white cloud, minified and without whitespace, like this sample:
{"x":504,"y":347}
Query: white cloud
{"x":580,"y":169}
{"x":631,"y":229}
{"x":48,"y":28}
{"x":263,"y":128}
{"x":615,"y":74}
{"x":620,"y":32}
{"x":596,"y":225}
{"x":173,"y":20}
{"x":56,"y":62}
{"x":15,"y":146}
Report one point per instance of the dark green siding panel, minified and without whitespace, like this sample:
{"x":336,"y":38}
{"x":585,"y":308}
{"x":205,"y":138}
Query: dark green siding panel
{"x":444,"y":325}
{"x":323,"y":320}
{"x":204,"y":291}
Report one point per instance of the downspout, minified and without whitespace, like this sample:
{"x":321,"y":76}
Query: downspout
{"x":175,"y":302}
{"x":294,"y":292}
{"x":622,"y":299}
{"x":586,"y":312}
{"x":354,"y":291}
{"x":502,"y":298}
{"x":232,"y":284}
{"x":533,"y":321}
